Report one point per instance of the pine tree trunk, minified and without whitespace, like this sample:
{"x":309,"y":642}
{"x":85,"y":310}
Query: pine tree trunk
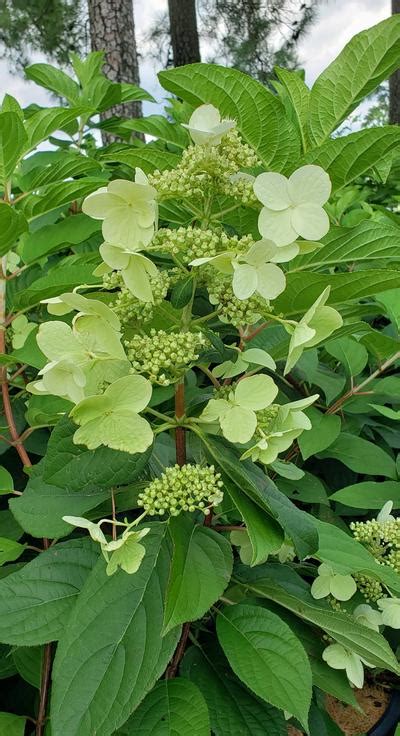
{"x":183,"y":30}
{"x":394,"y":83}
{"x":112,"y":29}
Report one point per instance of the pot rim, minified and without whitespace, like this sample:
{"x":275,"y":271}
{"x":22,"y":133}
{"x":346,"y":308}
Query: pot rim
{"x":390,"y":717}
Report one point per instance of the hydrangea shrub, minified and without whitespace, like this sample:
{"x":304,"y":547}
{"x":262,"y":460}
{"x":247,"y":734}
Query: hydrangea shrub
{"x":197,"y":354}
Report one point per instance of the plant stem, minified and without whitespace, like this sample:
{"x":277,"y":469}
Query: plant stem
{"x":180,"y":439}
{"x":44,"y":689}
{"x":356,"y":389}
{"x":179,"y":652}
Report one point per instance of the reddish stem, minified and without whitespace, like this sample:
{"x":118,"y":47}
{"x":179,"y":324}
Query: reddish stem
{"x":179,"y":652}
{"x":44,"y":689}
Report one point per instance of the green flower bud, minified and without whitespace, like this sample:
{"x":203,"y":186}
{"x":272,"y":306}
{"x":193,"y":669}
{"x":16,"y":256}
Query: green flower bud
{"x":186,"y":488}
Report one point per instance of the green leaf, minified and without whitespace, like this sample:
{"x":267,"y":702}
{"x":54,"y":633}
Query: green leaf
{"x":147,"y":158}
{"x":361,"y":456}
{"x":259,"y":488}
{"x":6,"y":482}
{"x":12,"y":225}
{"x":41,"y":507}
{"x":12,"y":142}
{"x":36,"y":601}
{"x":369,"y":495}
{"x":265,"y":534}
{"x":80,"y":469}
{"x":260,"y":115}
{"x":10,"y":550}
{"x":64,"y":277}
{"x":113,"y":645}
{"x":55,"y":80}
{"x":201,"y":569}
{"x":268,"y":657}
{"x":304,"y":288}
{"x":51,"y":196}
{"x":308,"y":489}
{"x":182,"y":292}
{"x":28,"y":661}
{"x":160,"y":127}
{"x":369,"y":58}
{"x":173,"y":708}
{"x":51,"y":238}
{"x":285,"y":587}
{"x":325,"y":429}
{"x":352,"y":355}
{"x":46,"y":121}
{"x":347,"y":157}
{"x":298,"y":94}
{"x":234,"y":710}
{"x":11,"y":725}
{"x":369,"y":241}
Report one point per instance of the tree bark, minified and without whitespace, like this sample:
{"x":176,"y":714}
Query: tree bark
{"x":183,"y":30}
{"x":112,"y":30}
{"x":394,"y":83}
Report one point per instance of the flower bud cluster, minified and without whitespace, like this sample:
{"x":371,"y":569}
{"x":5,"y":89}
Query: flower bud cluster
{"x":163,"y":357}
{"x":193,"y":242}
{"x":186,"y":488}
{"x":204,"y":166}
{"x":371,"y":589}
{"x":239,"y":188}
{"x":235,"y":311}
{"x":128,"y":307}
{"x":382,"y":539}
{"x":266,"y":418}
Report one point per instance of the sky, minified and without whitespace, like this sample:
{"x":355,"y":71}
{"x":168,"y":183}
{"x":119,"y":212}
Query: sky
{"x":337,"y":21}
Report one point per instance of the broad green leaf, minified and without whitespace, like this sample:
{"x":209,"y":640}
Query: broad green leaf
{"x":369,"y":241}
{"x":173,"y":708}
{"x":55,"y":80}
{"x":46,"y":121}
{"x":36,"y":601}
{"x":200,"y":571}
{"x":299,"y":96}
{"x":259,"y":114}
{"x":48,"y":239}
{"x":182,"y":292}
{"x":64,"y":277}
{"x":7,"y":666}
{"x":347,"y":157}
{"x":369,"y":58}
{"x":133,"y":92}
{"x":147,"y":158}
{"x":308,"y":489}
{"x":160,"y":127}
{"x":269,"y":582}
{"x":12,"y":225}
{"x":304,"y":288}
{"x":67,"y":166}
{"x":12,"y":143}
{"x":113,"y":646}
{"x":265,"y":534}
{"x":361,"y":456}
{"x":254,"y":483}
{"x":79,"y":469}
{"x":41,"y":507}
{"x":12,"y":725}
{"x":28,"y":661}
{"x":325,"y":429}
{"x":10,"y":550}
{"x":234,"y":710}
{"x":265,"y":654}
{"x":51,"y":196}
{"x":352,"y":355}
{"x":369,"y":495}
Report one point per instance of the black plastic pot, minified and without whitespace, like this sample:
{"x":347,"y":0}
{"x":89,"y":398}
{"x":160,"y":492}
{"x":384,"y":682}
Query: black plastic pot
{"x":386,"y":725}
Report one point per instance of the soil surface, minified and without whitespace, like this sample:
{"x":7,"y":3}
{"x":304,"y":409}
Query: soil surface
{"x":373,"y":701}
